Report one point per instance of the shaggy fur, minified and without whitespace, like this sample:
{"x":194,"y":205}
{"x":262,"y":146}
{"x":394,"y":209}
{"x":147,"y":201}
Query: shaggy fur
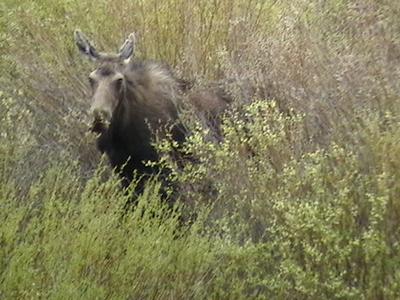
{"x":146,"y":107}
{"x":133,"y":102}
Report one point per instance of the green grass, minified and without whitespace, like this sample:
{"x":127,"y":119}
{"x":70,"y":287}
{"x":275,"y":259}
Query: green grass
{"x":300,"y":201}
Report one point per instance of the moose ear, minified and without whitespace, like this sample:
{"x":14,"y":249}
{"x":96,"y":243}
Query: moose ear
{"x":128,"y":48}
{"x":85,"y":46}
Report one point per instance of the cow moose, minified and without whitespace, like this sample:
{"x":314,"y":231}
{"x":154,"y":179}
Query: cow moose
{"x":133,"y":102}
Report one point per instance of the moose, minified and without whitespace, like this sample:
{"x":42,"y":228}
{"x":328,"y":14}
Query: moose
{"x":136,"y":101}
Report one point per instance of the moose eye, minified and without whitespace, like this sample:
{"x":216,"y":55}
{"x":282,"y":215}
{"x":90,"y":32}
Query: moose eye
{"x":92,"y":82}
{"x":119,"y":82}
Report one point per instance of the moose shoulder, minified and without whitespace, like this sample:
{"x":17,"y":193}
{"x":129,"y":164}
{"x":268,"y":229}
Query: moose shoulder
{"x":135,"y":101}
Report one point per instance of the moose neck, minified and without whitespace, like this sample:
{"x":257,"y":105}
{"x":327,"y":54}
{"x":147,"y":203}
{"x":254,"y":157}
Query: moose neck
{"x":129,"y":131}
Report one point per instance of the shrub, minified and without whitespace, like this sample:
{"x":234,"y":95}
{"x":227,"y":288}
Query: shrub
{"x":299,"y":199}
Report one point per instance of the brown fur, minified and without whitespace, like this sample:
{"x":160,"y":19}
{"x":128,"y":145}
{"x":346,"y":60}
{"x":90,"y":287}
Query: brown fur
{"x":135,"y":101}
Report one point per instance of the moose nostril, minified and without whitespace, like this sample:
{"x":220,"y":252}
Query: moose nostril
{"x":101,"y":115}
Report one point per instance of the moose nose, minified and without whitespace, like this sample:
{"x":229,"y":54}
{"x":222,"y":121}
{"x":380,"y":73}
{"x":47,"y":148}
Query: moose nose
{"x":101,"y":115}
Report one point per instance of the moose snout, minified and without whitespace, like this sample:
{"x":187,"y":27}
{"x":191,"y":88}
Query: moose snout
{"x":101,"y":119}
{"x":101,"y":115}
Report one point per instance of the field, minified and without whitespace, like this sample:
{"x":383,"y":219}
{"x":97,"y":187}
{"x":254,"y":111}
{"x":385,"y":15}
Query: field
{"x":301,"y":199}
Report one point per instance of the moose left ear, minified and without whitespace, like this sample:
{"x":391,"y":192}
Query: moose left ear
{"x":85,"y":46}
{"x":128,"y":48}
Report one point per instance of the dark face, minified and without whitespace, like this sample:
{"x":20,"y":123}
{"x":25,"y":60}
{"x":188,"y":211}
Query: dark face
{"x":107,"y":81}
{"x":107,"y":84}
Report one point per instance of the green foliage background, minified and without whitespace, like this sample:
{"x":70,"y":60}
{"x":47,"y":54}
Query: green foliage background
{"x":300,"y":200}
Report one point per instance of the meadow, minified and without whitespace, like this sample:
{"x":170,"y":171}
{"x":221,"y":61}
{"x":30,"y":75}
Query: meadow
{"x":301,"y":199}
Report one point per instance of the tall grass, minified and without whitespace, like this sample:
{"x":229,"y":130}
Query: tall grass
{"x":299,"y":201}
{"x":70,"y":241}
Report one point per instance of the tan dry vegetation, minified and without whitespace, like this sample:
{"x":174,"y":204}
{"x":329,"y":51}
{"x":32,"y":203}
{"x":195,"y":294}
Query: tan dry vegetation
{"x":312,"y":213}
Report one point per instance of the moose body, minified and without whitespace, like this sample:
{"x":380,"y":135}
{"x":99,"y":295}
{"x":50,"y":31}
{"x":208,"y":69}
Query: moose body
{"x":133,"y":102}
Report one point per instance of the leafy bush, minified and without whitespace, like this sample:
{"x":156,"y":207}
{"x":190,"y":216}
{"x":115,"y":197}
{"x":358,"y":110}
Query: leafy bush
{"x":300,"y":200}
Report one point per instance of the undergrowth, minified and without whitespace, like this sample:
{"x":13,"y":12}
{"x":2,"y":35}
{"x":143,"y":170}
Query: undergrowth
{"x":300,"y":200}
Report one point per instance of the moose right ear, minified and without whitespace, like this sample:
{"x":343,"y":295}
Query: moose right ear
{"x":85,"y":46}
{"x":128,"y":48}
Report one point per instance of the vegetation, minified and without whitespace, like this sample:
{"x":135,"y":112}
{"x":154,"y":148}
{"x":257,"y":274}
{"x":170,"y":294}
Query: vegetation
{"x":299,"y":201}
